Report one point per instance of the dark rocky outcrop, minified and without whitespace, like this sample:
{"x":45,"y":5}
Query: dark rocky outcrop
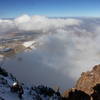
{"x":96,"y":94}
{"x":3,"y":72}
{"x":74,"y":94}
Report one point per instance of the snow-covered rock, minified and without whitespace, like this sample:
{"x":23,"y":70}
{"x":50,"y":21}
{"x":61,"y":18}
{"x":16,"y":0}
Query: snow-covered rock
{"x":30,"y":93}
{"x":29,"y":43}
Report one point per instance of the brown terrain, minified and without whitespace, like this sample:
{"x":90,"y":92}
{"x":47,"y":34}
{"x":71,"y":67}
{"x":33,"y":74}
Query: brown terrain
{"x":87,"y":87}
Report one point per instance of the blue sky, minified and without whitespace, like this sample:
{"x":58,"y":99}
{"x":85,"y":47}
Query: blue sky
{"x":54,"y":8}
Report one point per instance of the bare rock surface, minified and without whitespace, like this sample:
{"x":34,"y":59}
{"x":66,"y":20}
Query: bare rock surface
{"x":88,"y":80}
{"x":87,"y":87}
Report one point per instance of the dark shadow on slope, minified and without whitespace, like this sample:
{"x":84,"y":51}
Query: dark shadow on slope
{"x":96,"y":93}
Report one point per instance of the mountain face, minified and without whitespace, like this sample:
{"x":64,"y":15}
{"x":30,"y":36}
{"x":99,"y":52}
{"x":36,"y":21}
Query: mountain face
{"x":87,"y":87}
{"x":88,"y":80}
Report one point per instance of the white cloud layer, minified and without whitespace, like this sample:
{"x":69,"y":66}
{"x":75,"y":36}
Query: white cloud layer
{"x":69,"y":46}
{"x":36,"y":23}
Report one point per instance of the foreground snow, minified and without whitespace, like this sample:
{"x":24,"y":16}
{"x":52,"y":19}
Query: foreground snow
{"x":30,"y":93}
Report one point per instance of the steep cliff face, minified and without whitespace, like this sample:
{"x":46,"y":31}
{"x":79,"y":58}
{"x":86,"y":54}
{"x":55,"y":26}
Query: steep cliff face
{"x":88,"y":80}
{"x":87,"y":87}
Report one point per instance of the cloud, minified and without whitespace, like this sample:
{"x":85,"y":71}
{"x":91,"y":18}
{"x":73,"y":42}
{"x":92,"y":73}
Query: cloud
{"x":69,"y":53}
{"x":43,"y":23}
{"x":67,"y":47}
{"x":36,"y":23}
{"x":6,"y":26}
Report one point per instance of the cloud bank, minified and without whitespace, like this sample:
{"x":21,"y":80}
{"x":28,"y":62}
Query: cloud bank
{"x":36,"y":23}
{"x":67,"y":46}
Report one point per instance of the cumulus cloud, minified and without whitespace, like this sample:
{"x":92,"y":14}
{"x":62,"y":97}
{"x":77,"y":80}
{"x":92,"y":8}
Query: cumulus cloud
{"x":36,"y":23}
{"x":67,"y":47}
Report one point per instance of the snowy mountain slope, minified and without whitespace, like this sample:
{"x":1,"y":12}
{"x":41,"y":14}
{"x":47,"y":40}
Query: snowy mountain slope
{"x":30,"y":93}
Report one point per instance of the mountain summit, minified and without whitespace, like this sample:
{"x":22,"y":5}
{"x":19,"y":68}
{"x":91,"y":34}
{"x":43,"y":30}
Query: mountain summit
{"x":88,"y":80}
{"x":86,"y":88}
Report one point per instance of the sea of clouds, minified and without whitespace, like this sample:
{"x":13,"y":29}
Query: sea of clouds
{"x":66,"y":45}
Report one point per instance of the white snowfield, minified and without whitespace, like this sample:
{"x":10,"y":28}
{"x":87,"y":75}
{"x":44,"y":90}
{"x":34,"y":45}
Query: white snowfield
{"x":29,"y":43}
{"x":5,"y":92}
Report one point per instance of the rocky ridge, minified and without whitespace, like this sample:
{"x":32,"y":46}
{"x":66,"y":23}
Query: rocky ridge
{"x":87,"y":87}
{"x":88,"y":80}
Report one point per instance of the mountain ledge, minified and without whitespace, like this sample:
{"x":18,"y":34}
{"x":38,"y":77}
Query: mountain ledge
{"x":88,"y":80}
{"x":87,"y":87}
